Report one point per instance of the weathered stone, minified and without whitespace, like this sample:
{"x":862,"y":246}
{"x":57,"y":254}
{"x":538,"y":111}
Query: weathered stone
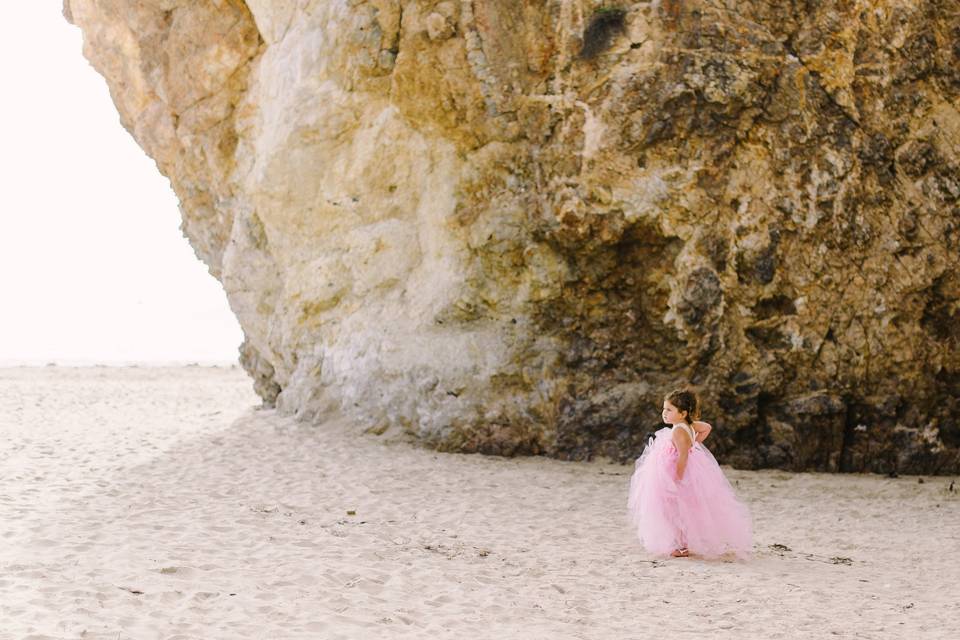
{"x":510,"y":227}
{"x":439,"y":27}
{"x":262,"y":373}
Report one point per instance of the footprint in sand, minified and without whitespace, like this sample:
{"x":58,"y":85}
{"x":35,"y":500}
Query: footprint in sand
{"x":439,"y":601}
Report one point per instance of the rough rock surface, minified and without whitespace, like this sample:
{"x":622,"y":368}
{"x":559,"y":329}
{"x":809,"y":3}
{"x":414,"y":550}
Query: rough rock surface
{"x":509,"y":227}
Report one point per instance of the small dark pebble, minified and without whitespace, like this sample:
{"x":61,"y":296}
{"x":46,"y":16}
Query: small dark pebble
{"x":919,"y":480}
{"x":780,"y":547}
{"x":893,"y":474}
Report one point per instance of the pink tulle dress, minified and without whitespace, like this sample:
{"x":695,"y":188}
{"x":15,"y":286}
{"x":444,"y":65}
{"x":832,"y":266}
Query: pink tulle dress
{"x":700,"y":513}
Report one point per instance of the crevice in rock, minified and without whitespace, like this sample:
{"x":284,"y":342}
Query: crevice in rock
{"x":395,"y":49}
{"x":758,"y":430}
{"x":849,"y":433}
{"x":604,"y":25}
{"x":774,"y":306}
{"x":826,"y":336}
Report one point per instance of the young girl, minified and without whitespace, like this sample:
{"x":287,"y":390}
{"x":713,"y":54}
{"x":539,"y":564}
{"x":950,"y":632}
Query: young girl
{"x":679,"y":500}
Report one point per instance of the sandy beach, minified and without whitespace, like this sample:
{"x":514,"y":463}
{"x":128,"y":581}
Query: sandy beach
{"x":160,"y":503}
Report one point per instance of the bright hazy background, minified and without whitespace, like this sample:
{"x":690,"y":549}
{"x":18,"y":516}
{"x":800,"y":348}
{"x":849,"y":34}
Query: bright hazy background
{"x":93,"y":266}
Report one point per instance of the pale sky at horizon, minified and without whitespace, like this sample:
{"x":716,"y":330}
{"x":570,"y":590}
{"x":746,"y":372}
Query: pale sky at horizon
{"x":93,"y":266}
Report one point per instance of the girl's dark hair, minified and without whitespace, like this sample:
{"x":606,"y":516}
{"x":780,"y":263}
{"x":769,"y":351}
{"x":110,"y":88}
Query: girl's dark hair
{"x":685,"y":400}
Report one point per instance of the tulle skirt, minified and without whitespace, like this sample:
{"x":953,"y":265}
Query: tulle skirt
{"x":699,"y":512}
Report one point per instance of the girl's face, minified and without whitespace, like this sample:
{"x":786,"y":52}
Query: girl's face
{"x":670,"y":414}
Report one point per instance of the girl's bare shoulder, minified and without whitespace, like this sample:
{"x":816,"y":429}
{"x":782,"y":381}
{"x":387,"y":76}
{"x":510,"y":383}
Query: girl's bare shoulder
{"x":681,"y":428}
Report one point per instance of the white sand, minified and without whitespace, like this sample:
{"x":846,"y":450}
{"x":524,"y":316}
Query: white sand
{"x":156,"y":503}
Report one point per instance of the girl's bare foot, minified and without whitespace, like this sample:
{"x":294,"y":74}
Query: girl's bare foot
{"x":680,"y":553}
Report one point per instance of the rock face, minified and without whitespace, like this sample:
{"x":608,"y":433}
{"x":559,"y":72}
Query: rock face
{"x":511,"y":226}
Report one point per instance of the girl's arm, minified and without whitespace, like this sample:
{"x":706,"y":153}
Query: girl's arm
{"x":703,"y":430}
{"x":682,"y":441}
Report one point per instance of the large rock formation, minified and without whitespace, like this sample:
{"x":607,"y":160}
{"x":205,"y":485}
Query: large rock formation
{"x":509,"y":226}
